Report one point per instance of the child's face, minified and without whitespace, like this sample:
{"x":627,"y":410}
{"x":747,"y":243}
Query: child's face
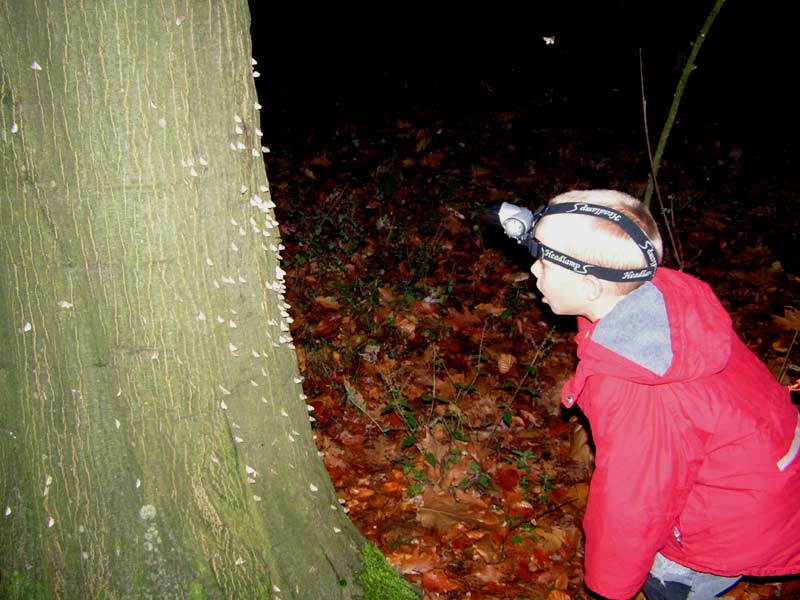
{"x":562,"y":289}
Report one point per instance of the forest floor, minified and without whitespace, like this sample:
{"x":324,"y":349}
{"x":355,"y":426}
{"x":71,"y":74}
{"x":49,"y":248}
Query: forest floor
{"x":432,"y":366}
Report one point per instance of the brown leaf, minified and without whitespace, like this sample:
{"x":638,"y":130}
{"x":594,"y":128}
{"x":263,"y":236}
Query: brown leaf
{"x":327,"y":302}
{"x":505,"y":362}
{"x":391,"y":487}
{"x":360,"y":492}
{"x":411,"y":563}
{"x":549,"y":540}
{"x":433,"y":160}
{"x":489,"y":550}
{"x":442,"y":511}
{"x":517,"y":277}
{"x":407,"y":326}
{"x":438,"y":581}
{"x":790,"y":319}
{"x":507,"y":478}
{"x":558,"y":595}
{"x":320,"y":161}
{"x":327,"y":325}
{"x":423,"y":140}
{"x":486,"y":309}
{"x":579,"y":449}
{"x":461,"y":319}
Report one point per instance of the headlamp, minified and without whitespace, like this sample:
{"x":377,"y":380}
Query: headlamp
{"x":519,"y":223}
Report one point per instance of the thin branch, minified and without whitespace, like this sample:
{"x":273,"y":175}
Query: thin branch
{"x":667,"y":215}
{"x":676,"y":99}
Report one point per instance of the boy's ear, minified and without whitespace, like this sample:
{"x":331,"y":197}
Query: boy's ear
{"x":593,"y":287}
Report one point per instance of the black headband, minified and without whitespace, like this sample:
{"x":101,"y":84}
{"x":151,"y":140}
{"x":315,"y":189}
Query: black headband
{"x":540,"y":251}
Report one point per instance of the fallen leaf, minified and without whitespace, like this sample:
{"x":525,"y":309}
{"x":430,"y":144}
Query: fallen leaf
{"x":438,"y":581}
{"x":485,"y":309}
{"x":327,"y":302}
{"x":579,"y":449}
{"x":789,"y":320}
{"x":516,"y":277}
{"x":360,"y":492}
{"x":327,"y":325}
{"x":391,"y":487}
{"x":549,"y":540}
{"x":507,"y":478}
{"x":321,"y":160}
{"x":505,"y":362}
{"x":417,"y":562}
{"x":441,"y":511}
{"x":488,"y":549}
{"x":433,"y":160}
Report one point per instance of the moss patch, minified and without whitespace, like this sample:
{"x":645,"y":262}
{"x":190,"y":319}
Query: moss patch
{"x":379,"y":579}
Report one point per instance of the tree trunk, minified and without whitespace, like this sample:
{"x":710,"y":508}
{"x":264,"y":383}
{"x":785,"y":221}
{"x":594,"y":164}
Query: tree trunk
{"x":154,"y":442}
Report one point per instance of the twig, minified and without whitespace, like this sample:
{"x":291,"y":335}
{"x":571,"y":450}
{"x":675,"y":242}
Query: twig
{"x":532,"y":520}
{"x":352,"y":398}
{"x":676,"y":99}
{"x":669,"y":221}
{"x":784,"y":366}
{"x":540,"y":348}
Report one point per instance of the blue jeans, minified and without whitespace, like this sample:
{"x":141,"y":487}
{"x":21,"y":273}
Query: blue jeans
{"x":670,"y":581}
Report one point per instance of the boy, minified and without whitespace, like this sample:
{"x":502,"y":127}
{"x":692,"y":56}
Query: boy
{"x":696,"y":480}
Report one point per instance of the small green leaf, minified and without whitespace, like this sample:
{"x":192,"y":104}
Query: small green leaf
{"x":408,"y":441}
{"x":430,"y":458}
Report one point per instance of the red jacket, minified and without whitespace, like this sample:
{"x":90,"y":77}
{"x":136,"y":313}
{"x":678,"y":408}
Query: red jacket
{"x":695,"y":442}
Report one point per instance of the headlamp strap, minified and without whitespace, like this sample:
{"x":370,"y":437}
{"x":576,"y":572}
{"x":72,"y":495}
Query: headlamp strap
{"x":608,"y":214}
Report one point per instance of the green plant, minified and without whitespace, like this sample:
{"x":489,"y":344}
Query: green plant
{"x":546,"y":484}
{"x":521,"y":459}
{"x":476,"y":478}
{"x":417,"y":476}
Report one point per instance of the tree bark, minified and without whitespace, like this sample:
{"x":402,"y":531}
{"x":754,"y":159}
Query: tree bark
{"x":154,"y":442}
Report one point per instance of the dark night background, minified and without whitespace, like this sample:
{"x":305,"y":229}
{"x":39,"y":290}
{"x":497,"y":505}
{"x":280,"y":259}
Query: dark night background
{"x":318,"y":64}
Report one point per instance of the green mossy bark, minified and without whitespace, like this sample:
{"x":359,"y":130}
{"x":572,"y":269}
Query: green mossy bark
{"x":154,"y":441}
{"x":381,"y":581}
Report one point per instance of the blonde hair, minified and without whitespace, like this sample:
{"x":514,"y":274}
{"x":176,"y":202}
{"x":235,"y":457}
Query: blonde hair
{"x":604,"y":243}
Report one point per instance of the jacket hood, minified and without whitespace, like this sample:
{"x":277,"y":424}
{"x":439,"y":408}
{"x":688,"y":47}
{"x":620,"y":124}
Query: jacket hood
{"x":672,"y":328}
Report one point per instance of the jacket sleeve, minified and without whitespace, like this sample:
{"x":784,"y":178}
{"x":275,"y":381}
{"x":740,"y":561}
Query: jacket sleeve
{"x":643,"y":469}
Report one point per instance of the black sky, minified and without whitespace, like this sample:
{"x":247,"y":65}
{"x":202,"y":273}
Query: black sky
{"x":378,"y":59}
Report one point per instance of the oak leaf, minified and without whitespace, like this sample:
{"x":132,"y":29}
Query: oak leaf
{"x":789,"y":320}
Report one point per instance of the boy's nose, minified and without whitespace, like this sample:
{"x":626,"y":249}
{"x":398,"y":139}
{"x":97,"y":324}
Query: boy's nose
{"x":536,"y":268}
